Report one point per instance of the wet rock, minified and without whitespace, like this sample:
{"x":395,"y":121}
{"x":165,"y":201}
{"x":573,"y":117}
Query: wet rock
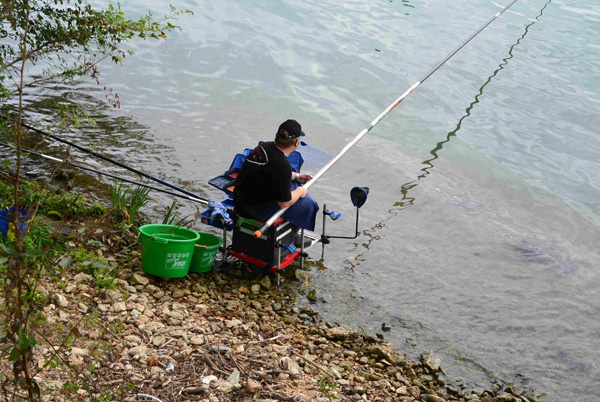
{"x":308,"y":311}
{"x":312,"y":295}
{"x":506,"y":398}
{"x":431,"y":398}
{"x":383,"y":351}
{"x":338,"y":334}
{"x":302,"y":275}
{"x":265,"y":283}
{"x":514,"y":391}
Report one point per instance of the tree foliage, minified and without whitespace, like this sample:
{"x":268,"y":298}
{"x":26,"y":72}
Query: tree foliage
{"x":58,"y":40}
{"x":45,"y":43}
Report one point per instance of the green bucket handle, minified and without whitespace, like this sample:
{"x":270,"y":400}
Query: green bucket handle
{"x":160,"y":240}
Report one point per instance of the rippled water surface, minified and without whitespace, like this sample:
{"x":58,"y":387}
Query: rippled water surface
{"x":481,"y":233}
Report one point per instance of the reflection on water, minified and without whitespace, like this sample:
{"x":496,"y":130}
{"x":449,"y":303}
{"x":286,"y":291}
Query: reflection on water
{"x":408,"y":201}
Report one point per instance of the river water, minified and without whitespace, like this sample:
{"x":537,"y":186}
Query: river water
{"x":480,"y":237}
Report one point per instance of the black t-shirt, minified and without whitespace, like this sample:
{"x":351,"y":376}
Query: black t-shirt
{"x":264,"y":177}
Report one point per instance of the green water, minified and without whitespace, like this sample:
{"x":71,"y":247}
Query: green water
{"x":480,"y":236}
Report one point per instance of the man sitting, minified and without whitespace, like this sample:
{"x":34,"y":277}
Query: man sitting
{"x":267,"y":183}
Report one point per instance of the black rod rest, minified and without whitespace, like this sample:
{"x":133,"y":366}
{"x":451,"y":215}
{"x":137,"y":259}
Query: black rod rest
{"x":358,"y":196}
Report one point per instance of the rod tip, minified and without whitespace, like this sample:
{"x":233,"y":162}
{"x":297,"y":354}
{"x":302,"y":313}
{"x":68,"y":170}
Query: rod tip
{"x":257,"y":234}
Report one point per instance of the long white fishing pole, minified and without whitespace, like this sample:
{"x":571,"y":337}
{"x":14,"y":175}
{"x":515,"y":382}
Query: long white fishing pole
{"x":329,"y":164}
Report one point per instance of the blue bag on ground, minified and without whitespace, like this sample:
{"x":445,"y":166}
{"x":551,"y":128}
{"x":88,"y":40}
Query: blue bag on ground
{"x":6,"y":218}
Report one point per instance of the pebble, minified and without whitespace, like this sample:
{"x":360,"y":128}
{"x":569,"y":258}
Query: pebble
{"x":253,"y":386}
{"x":140,"y":279}
{"x":79,"y":352}
{"x":112,"y":296}
{"x":197,"y":340}
{"x":119,"y":307}
{"x":61,"y":300}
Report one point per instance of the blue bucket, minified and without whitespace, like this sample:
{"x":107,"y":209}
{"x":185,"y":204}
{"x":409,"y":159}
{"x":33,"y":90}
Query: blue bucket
{"x":6,"y":225}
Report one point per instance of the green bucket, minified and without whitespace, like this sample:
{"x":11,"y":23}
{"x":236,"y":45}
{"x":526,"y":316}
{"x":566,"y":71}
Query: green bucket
{"x":205,"y":252}
{"x":167,"y":250}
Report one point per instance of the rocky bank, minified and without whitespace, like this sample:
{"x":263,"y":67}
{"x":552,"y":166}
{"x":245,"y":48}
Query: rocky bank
{"x":207,"y":337}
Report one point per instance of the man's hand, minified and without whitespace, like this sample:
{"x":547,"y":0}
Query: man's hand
{"x":303,"y":192}
{"x":303,"y":178}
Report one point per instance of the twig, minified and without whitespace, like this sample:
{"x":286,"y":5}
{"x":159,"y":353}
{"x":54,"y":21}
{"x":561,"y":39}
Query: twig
{"x":263,"y":341}
{"x":315,"y":365}
{"x":212,"y":364}
{"x":149,"y":396}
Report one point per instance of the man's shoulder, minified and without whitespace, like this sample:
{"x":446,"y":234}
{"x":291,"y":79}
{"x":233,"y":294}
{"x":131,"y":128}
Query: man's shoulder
{"x":259,"y":155}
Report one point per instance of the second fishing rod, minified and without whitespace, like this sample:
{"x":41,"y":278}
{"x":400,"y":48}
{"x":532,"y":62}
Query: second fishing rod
{"x":112,"y":176}
{"x":122,"y":165}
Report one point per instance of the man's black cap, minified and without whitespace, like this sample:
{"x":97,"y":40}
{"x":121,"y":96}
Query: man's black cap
{"x":290,"y":130}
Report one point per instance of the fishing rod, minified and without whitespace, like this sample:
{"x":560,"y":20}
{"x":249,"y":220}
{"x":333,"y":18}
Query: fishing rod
{"x":52,"y":158}
{"x":89,"y":151}
{"x":360,"y":135}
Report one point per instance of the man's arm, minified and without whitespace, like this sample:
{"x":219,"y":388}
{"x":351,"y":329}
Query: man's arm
{"x":298,"y":193}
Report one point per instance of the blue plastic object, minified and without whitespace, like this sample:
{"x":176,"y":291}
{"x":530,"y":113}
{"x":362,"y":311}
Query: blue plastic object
{"x":334,"y":216}
{"x":6,"y":218}
{"x":290,"y":247}
{"x":217,"y":216}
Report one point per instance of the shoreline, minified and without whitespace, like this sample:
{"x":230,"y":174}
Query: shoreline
{"x":207,"y":337}
{"x":106,"y":331}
